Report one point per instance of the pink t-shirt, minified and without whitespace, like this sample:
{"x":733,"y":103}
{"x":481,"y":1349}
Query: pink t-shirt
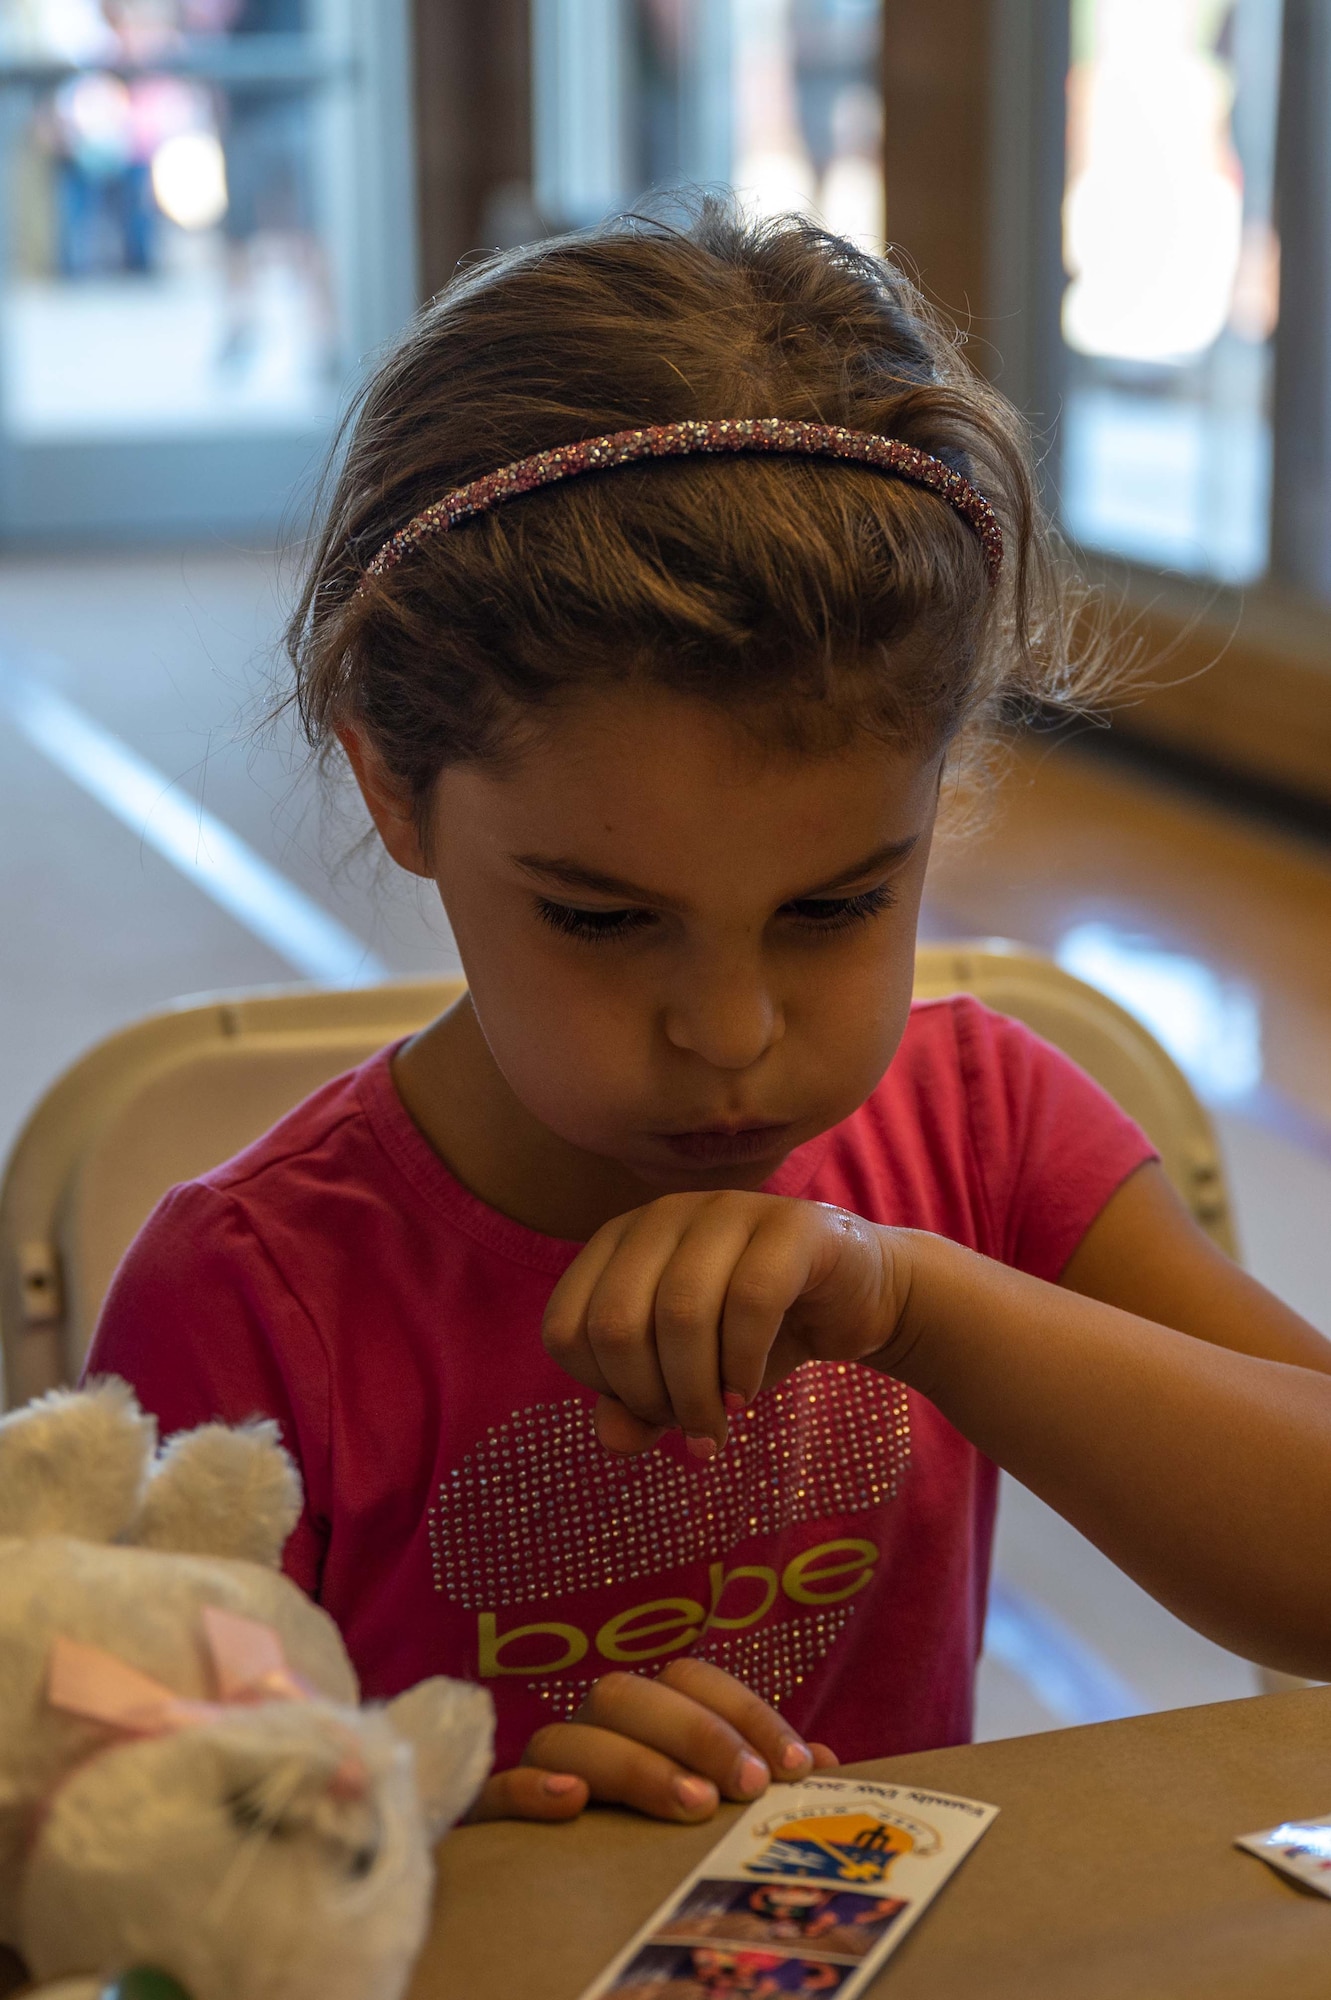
{"x":460,"y":1517}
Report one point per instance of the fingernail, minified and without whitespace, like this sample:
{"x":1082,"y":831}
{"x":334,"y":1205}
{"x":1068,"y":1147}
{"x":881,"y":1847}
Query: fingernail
{"x":560,"y":1783}
{"x":735,"y":1404}
{"x":794,"y":1755}
{"x":753,"y":1775}
{"x":702,"y":1447}
{"x":694,"y":1793}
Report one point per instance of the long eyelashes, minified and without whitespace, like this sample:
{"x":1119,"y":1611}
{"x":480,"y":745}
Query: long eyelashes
{"x":840,"y":913}
{"x":591,"y":926}
{"x":820,"y":915}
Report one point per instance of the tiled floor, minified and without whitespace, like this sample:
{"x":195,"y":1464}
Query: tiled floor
{"x":1224,"y":927}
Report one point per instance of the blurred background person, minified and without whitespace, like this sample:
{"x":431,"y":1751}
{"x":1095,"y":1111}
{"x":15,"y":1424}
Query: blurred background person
{"x":270,"y":213}
{"x":104,"y":202}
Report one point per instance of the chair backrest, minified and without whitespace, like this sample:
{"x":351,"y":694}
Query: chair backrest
{"x":158,"y":1103}
{"x":182,"y":1091}
{"x":1110,"y":1044}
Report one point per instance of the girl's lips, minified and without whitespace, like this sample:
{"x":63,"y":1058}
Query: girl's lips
{"x":721,"y":1148}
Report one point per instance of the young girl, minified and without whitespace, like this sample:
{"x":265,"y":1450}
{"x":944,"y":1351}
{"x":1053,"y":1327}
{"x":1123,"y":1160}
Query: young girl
{"x":648,"y":1328}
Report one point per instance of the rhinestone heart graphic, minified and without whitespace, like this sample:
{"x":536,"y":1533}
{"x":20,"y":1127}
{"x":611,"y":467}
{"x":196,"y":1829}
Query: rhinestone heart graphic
{"x":538,"y":1510}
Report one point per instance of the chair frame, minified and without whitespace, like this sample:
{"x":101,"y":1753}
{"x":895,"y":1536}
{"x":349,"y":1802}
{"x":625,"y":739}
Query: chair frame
{"x":42,"y":1334}
{"x":36,"y":1335}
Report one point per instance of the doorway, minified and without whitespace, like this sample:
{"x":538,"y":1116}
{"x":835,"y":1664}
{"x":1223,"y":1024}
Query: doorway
{"x":208,"y":222}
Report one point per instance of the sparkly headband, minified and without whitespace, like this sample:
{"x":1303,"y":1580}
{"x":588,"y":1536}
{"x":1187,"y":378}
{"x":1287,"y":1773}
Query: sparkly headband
{"x":686,"y":440}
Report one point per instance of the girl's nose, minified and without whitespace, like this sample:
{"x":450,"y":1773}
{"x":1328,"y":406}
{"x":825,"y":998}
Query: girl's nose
{"x":730,"y":1020}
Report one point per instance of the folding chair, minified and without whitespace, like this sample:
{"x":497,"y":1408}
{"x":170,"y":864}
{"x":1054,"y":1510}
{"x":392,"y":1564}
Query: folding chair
{"x":178,"y":1093}
{"x":159,"y":1102}
{"x":181,"y":1091}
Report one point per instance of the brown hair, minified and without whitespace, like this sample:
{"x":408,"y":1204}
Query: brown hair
{"x":806,"y":597}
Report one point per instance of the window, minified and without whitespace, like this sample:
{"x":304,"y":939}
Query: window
{"x":174,"y":270}
{"x":809,"y":111}
{"x":779,"y":98}
{"x":188,"y":185}
{"x":1172,"y":265}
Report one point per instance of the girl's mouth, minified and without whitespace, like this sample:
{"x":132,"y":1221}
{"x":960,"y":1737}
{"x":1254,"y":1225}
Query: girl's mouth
{"x":727,"y":1146}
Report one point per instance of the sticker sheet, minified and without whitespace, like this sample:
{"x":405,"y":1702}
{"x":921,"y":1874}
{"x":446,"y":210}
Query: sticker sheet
{"x":1301,"y":1848}
{"x":807,"y":1894}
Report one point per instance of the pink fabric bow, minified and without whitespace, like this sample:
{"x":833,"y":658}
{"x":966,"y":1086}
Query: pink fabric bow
{"x":249,"y":1667}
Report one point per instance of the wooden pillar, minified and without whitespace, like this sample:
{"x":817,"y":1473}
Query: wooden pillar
{"x":473,"y":123}
{"x":974,"y":96}
{"x":1301,"y":510}
{"x":937,"y":144}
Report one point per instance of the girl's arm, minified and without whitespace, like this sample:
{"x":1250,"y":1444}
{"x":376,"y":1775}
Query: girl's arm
{"x":1145,"y":1253}
{"x":1202,"y":1470}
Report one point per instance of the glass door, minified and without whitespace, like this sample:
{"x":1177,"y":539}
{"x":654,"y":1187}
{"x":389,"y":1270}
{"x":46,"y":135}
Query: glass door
{"x":1173,"y":282}
{"x":207,"y":219}
{"x":781,"y":99}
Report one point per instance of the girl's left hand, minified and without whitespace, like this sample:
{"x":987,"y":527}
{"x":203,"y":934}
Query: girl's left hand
{"x":678,"y":1313}
{"x":672,"y":1746}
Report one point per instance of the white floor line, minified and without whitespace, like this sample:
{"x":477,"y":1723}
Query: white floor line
{"x":1066,"y":1675}
{"x":206,"y":852}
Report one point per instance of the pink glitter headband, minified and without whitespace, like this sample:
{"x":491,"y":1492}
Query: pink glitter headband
{"x":685,"y":440}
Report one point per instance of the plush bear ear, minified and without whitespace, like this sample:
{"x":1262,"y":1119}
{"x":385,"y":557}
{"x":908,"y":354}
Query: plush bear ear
{"x":75,"y":1463}
{"x":450,"y":1727}
{"x":222,"y":1492}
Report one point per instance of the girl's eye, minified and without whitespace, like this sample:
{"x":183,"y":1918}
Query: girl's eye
{"x":841,"y":913}
{"x":592,"y":926}
{"x":821,"y":914}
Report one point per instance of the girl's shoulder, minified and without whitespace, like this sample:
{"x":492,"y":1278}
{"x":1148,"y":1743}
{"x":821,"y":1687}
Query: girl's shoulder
{"x":986,"y":1070}
{"x":345,"y":1172}
{"x":982,"y":1131}
{"x":339,"y":1116}
{"x":325,"y":1173}
{"x":959,"y":1041}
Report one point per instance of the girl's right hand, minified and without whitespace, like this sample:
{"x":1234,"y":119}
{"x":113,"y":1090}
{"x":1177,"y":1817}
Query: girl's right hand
{"x":680,"y":1312}
{"x":672,"y":1747}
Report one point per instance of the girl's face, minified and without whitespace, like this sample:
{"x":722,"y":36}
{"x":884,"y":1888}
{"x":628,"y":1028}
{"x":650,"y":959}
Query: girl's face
{"x":687,"y":956}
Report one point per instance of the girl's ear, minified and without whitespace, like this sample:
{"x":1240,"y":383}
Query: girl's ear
{"x":392,"y":816}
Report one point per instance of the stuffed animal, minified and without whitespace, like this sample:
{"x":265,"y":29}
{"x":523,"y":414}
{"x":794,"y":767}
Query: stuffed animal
{"x":187,"y":1780}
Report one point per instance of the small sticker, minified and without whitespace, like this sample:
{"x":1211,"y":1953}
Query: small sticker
{"x":1300,"y":1848}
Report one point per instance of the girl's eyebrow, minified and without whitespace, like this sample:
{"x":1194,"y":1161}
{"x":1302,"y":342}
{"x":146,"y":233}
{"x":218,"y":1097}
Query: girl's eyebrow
{"x":888,"y":855}
{"x":573,"y":875}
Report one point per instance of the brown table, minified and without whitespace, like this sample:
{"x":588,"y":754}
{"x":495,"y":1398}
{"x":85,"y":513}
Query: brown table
{"x":1108,"y":1875}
